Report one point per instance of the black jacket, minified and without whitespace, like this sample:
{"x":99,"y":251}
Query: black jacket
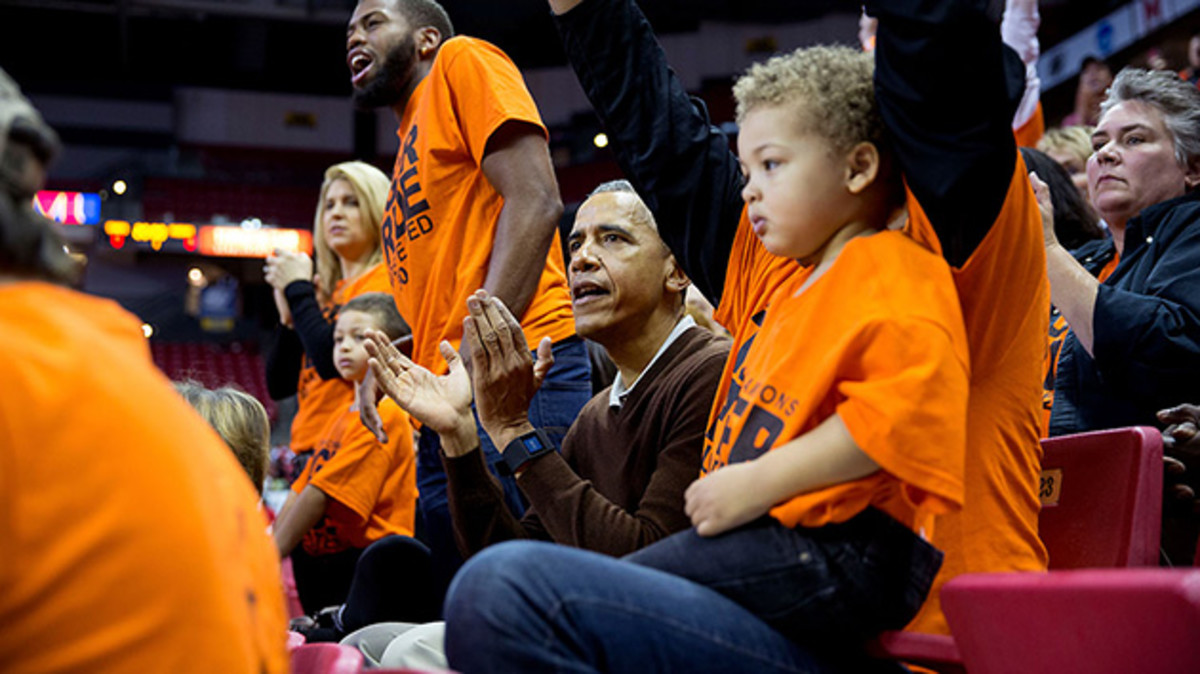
{"x":955,"y":144}
{"x":1146,"y":325}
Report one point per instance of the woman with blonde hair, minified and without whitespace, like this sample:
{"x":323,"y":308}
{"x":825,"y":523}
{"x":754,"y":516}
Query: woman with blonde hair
{"x":346,"y":241}
{"x":1070,"y":146}
{"x":241,"y":421}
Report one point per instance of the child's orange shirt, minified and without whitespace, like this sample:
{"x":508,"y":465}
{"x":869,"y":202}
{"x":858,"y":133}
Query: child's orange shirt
{"x":1005,"y":299}
{"x":319,"y":399}
{"x":441,"y":218}
{"x":372,"y":486}
{"x":130,"y":537}
{"x":893,"y":368}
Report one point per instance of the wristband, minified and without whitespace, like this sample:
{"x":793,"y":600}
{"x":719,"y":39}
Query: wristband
{"x":524,"y":449}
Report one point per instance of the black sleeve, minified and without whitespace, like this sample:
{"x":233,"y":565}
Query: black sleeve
{"x":677,"y":160}
{"x":283,"y":364}
{"x":948,"y":88}
{"x":315,"y":332}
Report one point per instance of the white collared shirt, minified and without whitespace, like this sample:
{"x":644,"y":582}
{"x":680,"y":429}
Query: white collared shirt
{"x":618,"y":392}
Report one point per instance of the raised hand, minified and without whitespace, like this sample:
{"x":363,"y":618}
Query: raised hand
{"x":1046,"y":206}
{"x":366,"y":399}
{"x":285,"y":311}
{"x":503,"y":372}
{"x":443,"y":403}
{"x":283,"y":268}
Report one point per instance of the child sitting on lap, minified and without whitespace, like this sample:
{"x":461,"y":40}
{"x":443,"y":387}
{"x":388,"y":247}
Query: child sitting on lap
{"x":840,"y":435}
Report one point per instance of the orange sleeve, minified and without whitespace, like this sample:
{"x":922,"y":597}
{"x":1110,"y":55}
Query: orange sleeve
{"x":1029,"y":133}
{"x":488,"y":91}
{"x":904,"y":401}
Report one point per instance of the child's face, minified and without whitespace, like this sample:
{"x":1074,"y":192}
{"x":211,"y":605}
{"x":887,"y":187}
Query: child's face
{"x":795,"y":189}
{"x":349,"y":355}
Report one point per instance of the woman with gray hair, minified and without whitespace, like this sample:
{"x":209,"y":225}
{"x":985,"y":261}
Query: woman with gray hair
{"x":1134,"y":341}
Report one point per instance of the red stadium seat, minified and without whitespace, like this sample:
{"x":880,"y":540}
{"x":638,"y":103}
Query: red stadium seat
{"x":1102,"y":498}
{"x":1101,"y":507}
{"x":410,"y":671}
{"x":1096,"y":621}
{"x":326,"y":659}
{"x":291,"y":595}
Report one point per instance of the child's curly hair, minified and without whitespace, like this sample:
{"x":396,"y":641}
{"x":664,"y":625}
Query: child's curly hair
{"x":834,"y":83}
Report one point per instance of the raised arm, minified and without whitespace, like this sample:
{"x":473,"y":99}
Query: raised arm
{"x":314,"y":331}
{"x":679,"y":162}
{"x":948,"y":88}
{"x":517,"y":164}
{"x":284,"y":358}
{"x":292,"y":274}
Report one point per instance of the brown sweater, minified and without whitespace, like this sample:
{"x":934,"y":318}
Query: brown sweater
{"x":618,"y":484}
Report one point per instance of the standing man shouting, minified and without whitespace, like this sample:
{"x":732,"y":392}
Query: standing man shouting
{"x":474,"y":204}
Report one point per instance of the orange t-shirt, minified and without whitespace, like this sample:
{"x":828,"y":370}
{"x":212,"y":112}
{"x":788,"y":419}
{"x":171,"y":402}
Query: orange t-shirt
{"x":1005,"y":299}
{"x":373,"y":486}
{"x":441,"y":217}
{"x":319,"y":399}
{"x":1056,"y":336}
{"x":894,"y":369}
{"x":131,"y":540}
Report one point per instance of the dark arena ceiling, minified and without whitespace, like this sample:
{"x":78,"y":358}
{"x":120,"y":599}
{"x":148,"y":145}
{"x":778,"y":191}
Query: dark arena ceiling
{"x":129,"y":47}
{"x":142,"y":48}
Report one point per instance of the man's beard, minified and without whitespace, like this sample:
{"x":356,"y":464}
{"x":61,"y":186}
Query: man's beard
{"x":391,"y":78}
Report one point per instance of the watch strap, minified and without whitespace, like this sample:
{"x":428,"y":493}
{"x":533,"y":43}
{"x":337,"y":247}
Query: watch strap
{"x":524,"y":448}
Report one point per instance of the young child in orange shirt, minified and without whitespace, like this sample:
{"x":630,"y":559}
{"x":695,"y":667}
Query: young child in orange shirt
{"x":841,"y":435}
{"x":355,"y":490}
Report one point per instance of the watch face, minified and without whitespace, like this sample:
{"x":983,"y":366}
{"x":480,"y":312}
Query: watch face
{"x":533,"y":444}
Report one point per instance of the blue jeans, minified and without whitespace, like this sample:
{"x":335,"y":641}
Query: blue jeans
{"x":564,"y":392}
{"x":762,"y":598}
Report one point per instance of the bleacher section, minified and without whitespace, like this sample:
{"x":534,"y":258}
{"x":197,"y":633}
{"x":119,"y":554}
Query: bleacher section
{"x":214,"y":366}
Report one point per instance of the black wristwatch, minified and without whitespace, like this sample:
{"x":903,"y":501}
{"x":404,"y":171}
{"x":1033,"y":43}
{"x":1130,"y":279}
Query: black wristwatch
{"x":526,"y":447}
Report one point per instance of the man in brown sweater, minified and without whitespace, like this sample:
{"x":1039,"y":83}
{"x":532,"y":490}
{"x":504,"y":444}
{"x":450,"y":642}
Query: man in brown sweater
{"x":635,"y":447}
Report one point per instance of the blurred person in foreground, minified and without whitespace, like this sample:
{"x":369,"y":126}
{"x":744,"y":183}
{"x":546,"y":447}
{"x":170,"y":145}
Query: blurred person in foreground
{"x":130,"y":533}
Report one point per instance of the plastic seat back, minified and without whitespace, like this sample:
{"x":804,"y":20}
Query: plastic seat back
{"x":1102,"y":498}
{"x":1091,"y":620}
{"x":326,"y":659}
